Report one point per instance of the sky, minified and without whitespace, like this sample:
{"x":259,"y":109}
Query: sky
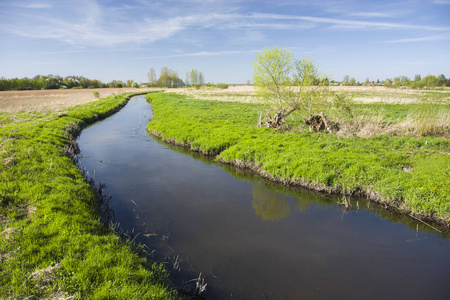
{"x":121,"y":40}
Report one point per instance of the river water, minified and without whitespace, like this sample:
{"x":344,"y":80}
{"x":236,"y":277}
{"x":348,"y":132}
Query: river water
{"x":252,"y":239}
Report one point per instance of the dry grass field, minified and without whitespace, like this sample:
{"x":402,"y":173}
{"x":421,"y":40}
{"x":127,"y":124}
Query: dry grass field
{"x":52,"y":100}
{"x":57,"y":100}
{"x":362,"y":94}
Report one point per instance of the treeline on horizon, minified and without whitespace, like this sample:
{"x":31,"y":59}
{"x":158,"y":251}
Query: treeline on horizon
{"x":169,"y":78}
{"x":429,"y":81}
{"x":42,"y":82}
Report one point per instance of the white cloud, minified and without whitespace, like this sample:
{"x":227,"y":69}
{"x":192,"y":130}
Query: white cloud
{"x":33,"y":5}
{"x":432,"y":38}
{"x":202,"y":53}
{"x":370,"y":14}
{"x":91,"y":24}
{"x":447,"y":2}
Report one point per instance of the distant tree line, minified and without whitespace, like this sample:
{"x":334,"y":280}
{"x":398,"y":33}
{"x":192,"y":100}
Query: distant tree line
{"x":169,"y":78}
{"x":42,"y":82}
{"x":429,"y":81}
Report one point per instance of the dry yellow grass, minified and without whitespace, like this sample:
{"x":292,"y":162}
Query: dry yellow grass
{"x":57,"y":100}
{"x":52,"y":100}
{"x":362,"y":94}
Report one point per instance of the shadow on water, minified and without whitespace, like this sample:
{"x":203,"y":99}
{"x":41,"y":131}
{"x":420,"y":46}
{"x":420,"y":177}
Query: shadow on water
{"x":254,"y":239}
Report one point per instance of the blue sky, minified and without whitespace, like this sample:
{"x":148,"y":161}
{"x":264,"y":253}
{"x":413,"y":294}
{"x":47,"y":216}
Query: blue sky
{"x":108,"y":39}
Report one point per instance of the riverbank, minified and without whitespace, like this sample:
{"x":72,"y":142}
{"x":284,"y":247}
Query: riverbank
{"x":409,"y":174}
{"x":53,"y":243}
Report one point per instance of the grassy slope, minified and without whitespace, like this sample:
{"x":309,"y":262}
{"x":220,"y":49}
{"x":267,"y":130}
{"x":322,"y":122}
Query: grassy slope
{"x":373,"y":166}
{"x":65,"y":229}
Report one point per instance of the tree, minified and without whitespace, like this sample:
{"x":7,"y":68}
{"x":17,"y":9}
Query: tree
{"x":429,"y":81}
{"x":352,"y":81}
{"x":367,"y":81}
{"x":201,"y":80}
{"x":194,"y":77}
{"x":404,"y":80}
{"x":441,"y":80}
{"x":164,"y":77}
{"x":346,"y":80}
{"x":287,"y":85}
{"x":152,"y":77}
{"x":187,"y":81}
{"x":130,"y":82}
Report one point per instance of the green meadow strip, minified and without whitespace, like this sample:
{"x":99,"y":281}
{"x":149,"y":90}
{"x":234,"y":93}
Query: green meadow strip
{"x":408,"y":173}
{"x":53,"y":244}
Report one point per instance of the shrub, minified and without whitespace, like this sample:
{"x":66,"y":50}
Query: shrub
{"x":222,"y":85}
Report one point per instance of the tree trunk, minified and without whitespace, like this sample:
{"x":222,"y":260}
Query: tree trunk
{"x":275,"y":121}
{"x":325,"y":121}
{"x":320,"y":122}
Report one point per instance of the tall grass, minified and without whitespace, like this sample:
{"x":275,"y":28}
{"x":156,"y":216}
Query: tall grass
{"x":430,"y":118}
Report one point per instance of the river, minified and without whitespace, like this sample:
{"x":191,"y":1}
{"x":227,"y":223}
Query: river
{"x":252,"y":239}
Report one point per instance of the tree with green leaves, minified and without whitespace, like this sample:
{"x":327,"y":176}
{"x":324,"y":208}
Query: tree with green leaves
{"x":193,"y":76}
{"x":346,"y":80}
{"x":287,"y":85}
{"x":187,"y":80}
{"x":152,"y":81}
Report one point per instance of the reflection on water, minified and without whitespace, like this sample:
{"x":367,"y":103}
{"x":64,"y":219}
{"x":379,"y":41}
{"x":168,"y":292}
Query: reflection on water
{"x":269,"y":205}
{"x":253,"y":239}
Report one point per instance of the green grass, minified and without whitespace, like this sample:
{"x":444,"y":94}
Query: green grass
{"x":407,"y":172}
{"x":50,"y":217}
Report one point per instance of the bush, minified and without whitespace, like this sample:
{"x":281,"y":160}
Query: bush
{"x":222,"y":86}
{"x":197,"y":86}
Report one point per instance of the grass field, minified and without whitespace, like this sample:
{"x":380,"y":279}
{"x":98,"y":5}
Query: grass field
{"x":54,"y":100}
{"x":405,"y":171}
{"x":53,"y":244}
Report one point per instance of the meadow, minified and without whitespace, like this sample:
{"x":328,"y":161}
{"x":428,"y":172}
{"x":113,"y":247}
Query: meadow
{"x":53,"y":243}
{"x":391,"y":152}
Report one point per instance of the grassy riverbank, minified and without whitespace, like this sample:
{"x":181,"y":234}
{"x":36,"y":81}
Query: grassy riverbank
{"x":408,"y":173}
{"x":52,"y":242}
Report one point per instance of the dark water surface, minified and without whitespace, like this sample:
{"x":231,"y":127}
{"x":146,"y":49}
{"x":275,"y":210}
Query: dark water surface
{"x":252,"y":239}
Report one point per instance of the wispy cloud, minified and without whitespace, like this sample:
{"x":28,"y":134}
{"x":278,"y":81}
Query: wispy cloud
{"x":432,"y":38}
{"x":447,"y":2}
{"x":371,"y":14}
{"x":30,"y":5}
{"x":202,"y":54}
{"x":353,"y":23}
{"x":94,"y":25}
